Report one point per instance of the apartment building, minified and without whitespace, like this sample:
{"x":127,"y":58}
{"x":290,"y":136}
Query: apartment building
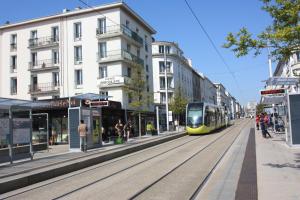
{"x":179,"y":71}
{"x":75,"y":52}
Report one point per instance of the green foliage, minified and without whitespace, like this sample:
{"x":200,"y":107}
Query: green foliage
{"x":282,"y":36}
{"x":136,"y":89}
{"x":259,"y":108}
{"x":178,"y":102}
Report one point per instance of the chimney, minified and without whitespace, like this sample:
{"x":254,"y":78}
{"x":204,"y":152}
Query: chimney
{"x":78,"y":8}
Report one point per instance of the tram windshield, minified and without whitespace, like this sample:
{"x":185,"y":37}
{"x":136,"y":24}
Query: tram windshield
{"x":194,"y":115}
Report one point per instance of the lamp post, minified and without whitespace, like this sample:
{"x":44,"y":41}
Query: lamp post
{"x":166,"y":88}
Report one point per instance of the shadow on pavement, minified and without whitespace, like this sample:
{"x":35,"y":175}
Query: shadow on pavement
{"x":297,"y":158}
{"x":283,"y":165}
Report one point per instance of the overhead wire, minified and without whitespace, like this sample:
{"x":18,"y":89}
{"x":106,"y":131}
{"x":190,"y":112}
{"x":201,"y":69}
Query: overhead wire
{"x":214,"y":46}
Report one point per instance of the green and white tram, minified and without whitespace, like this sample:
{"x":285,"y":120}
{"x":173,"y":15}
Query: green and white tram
{"x":203,"y":118}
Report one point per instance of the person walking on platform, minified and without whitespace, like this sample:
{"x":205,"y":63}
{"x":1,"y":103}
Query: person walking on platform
{"x":128,"y":129}
{"x":257,"y":119}
{"x":82,"y":130}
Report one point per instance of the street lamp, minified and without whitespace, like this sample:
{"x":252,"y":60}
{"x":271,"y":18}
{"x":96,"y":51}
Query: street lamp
{"x":166,"y":88}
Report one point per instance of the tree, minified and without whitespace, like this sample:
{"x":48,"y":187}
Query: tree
{"x":137,"y":91}
{"x":259,"y":108}
{"x":282,"y":36}
{"x":178,"y":103}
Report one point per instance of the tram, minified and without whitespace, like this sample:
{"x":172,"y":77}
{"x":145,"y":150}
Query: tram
{"x":203,"y":118}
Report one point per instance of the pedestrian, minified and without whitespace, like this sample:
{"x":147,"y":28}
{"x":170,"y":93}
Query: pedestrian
{"x":119,"y":128}
{"x":82,"y":130}
{"x":128,"y":129}
{"x":257,"y":122}
{"x":149,"y":128}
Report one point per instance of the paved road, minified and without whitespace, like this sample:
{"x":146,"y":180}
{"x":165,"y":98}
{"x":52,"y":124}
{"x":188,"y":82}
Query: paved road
{"x":174,"y":170}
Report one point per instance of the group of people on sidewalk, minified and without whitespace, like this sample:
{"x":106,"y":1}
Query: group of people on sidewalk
{"x":123,"y":132}
{"x":264,"y":122}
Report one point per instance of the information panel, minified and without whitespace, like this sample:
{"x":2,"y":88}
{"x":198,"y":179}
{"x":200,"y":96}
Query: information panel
{"x":294,"y":102}
{"x":21,"y":130}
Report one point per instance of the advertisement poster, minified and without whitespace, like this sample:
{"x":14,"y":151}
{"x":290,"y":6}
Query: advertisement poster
{"x":4,"y":131}
{"x":21,"y":131}
{"x":86,"y":116}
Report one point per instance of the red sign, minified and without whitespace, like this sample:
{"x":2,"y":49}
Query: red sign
{"x":275,"y":91}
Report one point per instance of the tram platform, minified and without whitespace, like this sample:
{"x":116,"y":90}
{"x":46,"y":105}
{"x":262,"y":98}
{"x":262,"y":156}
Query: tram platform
{"x":256,"y":168}
{"x":53,"y":163}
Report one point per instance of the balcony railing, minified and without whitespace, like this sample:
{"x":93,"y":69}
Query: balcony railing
{"x":119,"y":29}
{"x":115,"y":81}
{"x":296,"y":68}
{"x":43,"y":42}
{"x":13,"y":47}
{"x":43,"y":88}
{"x":43,"y":65}
{"x":116,"y":55}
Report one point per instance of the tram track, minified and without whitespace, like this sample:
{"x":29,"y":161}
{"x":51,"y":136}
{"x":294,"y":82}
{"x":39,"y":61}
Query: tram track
{"x":167,"y":149}
{"x":202,"y":183}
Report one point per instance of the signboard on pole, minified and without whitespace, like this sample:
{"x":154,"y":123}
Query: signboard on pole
{"x":273,"y":91}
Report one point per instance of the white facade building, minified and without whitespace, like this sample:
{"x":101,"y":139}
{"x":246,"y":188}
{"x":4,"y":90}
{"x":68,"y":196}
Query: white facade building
{"x":179,"y":72}
{"x":75,"y":52}
{"x":209,"y":91}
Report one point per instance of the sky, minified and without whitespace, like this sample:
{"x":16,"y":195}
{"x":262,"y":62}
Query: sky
{"x":174,"y":22}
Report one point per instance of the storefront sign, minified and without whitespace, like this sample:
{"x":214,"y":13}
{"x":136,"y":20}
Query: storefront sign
{"x":112,"y":104}
{"x":275,"y":91}
{"x":108,"y":81}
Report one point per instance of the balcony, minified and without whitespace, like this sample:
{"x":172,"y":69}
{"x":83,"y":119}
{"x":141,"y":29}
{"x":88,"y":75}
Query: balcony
{"x":43,"y":65}
{"x":170,"y":88}
{"x":43,"y":88}
{"x":13,"y":47}
{"x":296,"y":68}
{"x":119,"y":55}
{"x":116,"y":81}
{"x":43,"y":42}
{"x":119,"y":30}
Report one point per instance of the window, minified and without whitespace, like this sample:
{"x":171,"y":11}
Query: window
{"x":298,"y":56}
{"x":127,"y":24}
{"x":129,"y":98}
{"x":137,"y":30}
{"x":147,"y":68}
{"x":162,"y":98}
{"x":33,"y":34}
{"x":128,"y":47}
{"x":138,"y":53}
{"x":55,"y":34}
{"x":13,"y":63}
{"x":34,"y":59}
{"x":102,"y":50}
{"x":102,"y":26}
{"x":78,"y":54}
{"x":55,"y":56}
{"x":102,"y":71}
{"x":129,"y":72}
{"x":161,"y":49}
{"x":55,"y":78}
{"x":77,"y":31}
{"x":104,"y":95}
{"x":13,"y":42}
{"x":162,"y":82}
{"x":78,"y":77}
{"x":167,"y":49}
{"x":146,"y":44}
{"x":162,"y":67}
{"x":13,"y":86}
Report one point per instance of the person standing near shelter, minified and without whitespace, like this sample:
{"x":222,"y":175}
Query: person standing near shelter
{"x":127,"y":128}
{"x":257,"y":119}
{"x":119,"y":128}
{"x":149,"y":128}
{"x":82,"y":130}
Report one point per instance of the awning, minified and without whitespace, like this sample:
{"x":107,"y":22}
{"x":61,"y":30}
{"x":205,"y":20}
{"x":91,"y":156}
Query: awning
{"x":274,"y":81}
{"x":269,"y":100}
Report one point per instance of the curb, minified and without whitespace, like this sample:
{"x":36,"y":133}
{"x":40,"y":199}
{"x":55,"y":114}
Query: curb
{"x":26,"y":180}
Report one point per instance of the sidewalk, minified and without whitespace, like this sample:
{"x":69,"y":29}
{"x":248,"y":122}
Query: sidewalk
{"x":46,"y":165}
{"x":278,"y":168}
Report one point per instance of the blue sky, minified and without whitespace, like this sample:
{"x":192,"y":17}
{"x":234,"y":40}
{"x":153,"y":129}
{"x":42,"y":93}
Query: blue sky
{"x":173,"y":22}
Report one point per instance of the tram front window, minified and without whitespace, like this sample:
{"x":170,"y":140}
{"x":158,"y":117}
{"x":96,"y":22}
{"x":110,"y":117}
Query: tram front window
{"x":194,"y":118}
